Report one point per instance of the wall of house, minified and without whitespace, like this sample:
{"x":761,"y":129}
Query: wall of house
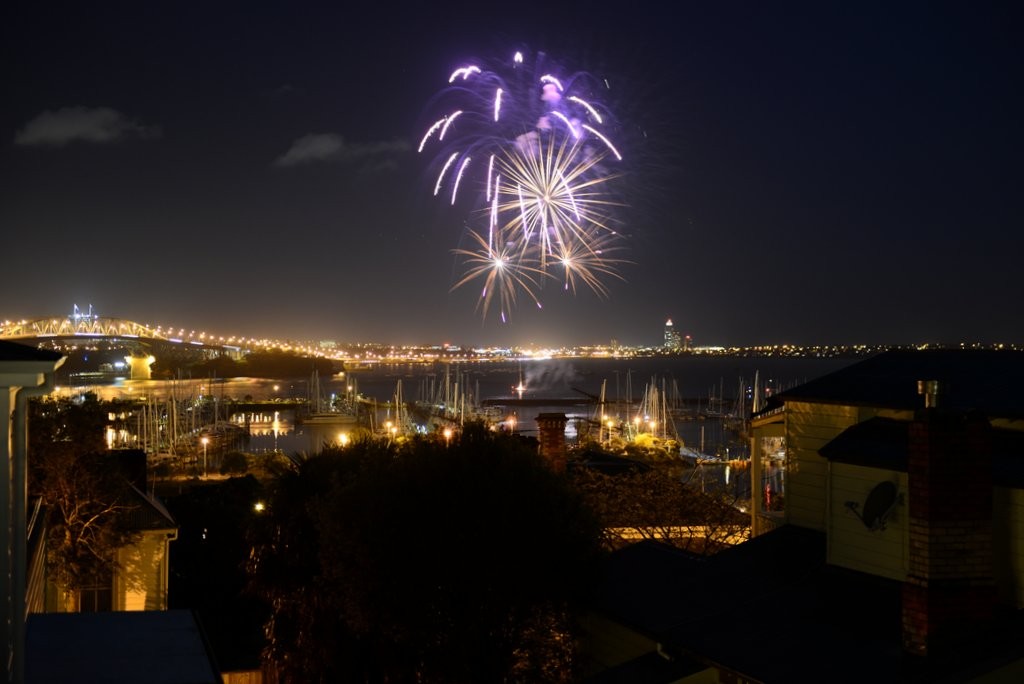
{"x":1008,"y":545}
{"x":141,"y":583}
{"x":850,"y":543}
{"x":808,"y":428}
{"x":761,"y":520}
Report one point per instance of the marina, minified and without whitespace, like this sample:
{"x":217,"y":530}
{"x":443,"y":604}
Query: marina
{"x":698,"y":403}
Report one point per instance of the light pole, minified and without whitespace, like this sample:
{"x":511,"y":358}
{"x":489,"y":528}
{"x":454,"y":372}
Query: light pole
{"x":205,"y":440}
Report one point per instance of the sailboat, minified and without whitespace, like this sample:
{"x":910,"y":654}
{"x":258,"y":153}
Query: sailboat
{"x":321,"y":412}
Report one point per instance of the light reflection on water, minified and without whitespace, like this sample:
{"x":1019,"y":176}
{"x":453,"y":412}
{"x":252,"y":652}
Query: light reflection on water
{"x":624,"y":380}
{"x":281,"y":434}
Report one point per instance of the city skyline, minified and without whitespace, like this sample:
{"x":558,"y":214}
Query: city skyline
{"x":84,"y":328}
{"x":795,"y":174}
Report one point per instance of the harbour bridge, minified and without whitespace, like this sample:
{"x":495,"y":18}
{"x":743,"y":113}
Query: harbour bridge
{"x":81,"y":325}
{"x":84,"y":326}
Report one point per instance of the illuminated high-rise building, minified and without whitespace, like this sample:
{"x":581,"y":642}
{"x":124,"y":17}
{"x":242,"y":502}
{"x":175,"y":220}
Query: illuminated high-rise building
{"x":672,"y":339}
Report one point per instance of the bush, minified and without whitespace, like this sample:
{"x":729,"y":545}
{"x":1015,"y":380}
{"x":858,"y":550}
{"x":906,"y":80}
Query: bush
{"x":234,"y":463}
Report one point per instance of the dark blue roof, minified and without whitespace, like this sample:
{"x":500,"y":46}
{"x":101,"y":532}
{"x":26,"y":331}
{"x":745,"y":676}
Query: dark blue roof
{"x":12,"y":351}
{"x":876,"y":443}
{"x":884,"y":443}
{"x":772,"y":610}
{"x":988,"y":381}
{"x":159,"y":647}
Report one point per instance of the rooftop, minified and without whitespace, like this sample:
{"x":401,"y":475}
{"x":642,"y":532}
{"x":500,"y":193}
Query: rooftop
{"x":772,"y":610}
{"x":158,"y":647}
{"x":982,"y":380}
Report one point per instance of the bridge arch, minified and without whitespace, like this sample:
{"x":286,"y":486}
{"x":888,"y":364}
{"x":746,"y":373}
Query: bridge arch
{"x":84,"y":326}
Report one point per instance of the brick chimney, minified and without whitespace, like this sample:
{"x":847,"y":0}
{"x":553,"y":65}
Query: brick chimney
{"x":551,"y":428}
{"x":949,"y":593}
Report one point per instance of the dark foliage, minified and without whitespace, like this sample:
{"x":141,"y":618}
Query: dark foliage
{"x":208,"y":567}
{"x":85,"y":489}
{"x":637,"y":501}
{"x":268,"y":364}
{"x":421,"y":562}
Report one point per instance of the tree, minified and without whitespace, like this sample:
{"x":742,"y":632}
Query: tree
{"x":654,"y":502}
{"x":234,"y":463}
{"x":207,"y":572}
{"x":426,"y":563}
{"x":85,"y":492}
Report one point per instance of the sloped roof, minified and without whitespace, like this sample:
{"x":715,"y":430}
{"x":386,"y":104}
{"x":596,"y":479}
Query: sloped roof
{"x":988,"y":381}
{"x":158,"y":647}
{"x":875,"y":443}
{"x":650,"y":668}
{"x":12,"y":351}
{"x":656,"y":589}
{"x":149,"y":513}
{"x":884,"y":443}
{"x":772,"y":610}
{"x":23,"y":365}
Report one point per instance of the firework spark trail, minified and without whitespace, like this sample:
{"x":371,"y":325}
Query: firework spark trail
{"x":568,"y":124}
{"x":555,"y":189}
{"x":448,"y":122}
{"x":605,"y":141}
{"x":464,"y":72}
{"x":502,"y":273}
{"x":546,"y":196}
{"x":490,"y":174}
{"x":440,"y":177}
{"x":458,"y":178}
{"x":586,"y":105}
{"x":430,"y":131}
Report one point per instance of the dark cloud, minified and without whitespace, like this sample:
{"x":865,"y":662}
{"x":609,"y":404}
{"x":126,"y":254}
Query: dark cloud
{"x":331,"y":147}
{"x":84,"y":124}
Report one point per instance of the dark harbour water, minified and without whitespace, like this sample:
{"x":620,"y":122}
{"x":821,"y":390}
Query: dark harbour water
{"x":701,"y":386}
{"x":705,"y":384}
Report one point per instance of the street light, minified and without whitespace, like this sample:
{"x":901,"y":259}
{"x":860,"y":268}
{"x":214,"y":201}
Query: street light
{"x":205,"y":440}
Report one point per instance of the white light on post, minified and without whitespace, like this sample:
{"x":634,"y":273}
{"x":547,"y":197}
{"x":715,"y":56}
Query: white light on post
{"x":205,"y":440}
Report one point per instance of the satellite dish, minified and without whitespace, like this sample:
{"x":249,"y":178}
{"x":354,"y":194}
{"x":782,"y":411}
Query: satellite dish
{"x":878,"y":506}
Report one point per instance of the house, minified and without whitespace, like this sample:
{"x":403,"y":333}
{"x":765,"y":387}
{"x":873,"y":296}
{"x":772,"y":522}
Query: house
{"x":144,"y":642}
{"x":888,"y":514}
{"x":140,"y":576}
{"x":25,"y":372}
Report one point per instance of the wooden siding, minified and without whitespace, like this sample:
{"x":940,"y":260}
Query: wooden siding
{"x":1008,"y":545}
{"x":808,"y":428}
{"x":850,"y":543}
{"x":142,"y":580}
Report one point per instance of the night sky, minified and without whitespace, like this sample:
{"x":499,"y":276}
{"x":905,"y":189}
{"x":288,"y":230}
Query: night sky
{"x":797,"y":173}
